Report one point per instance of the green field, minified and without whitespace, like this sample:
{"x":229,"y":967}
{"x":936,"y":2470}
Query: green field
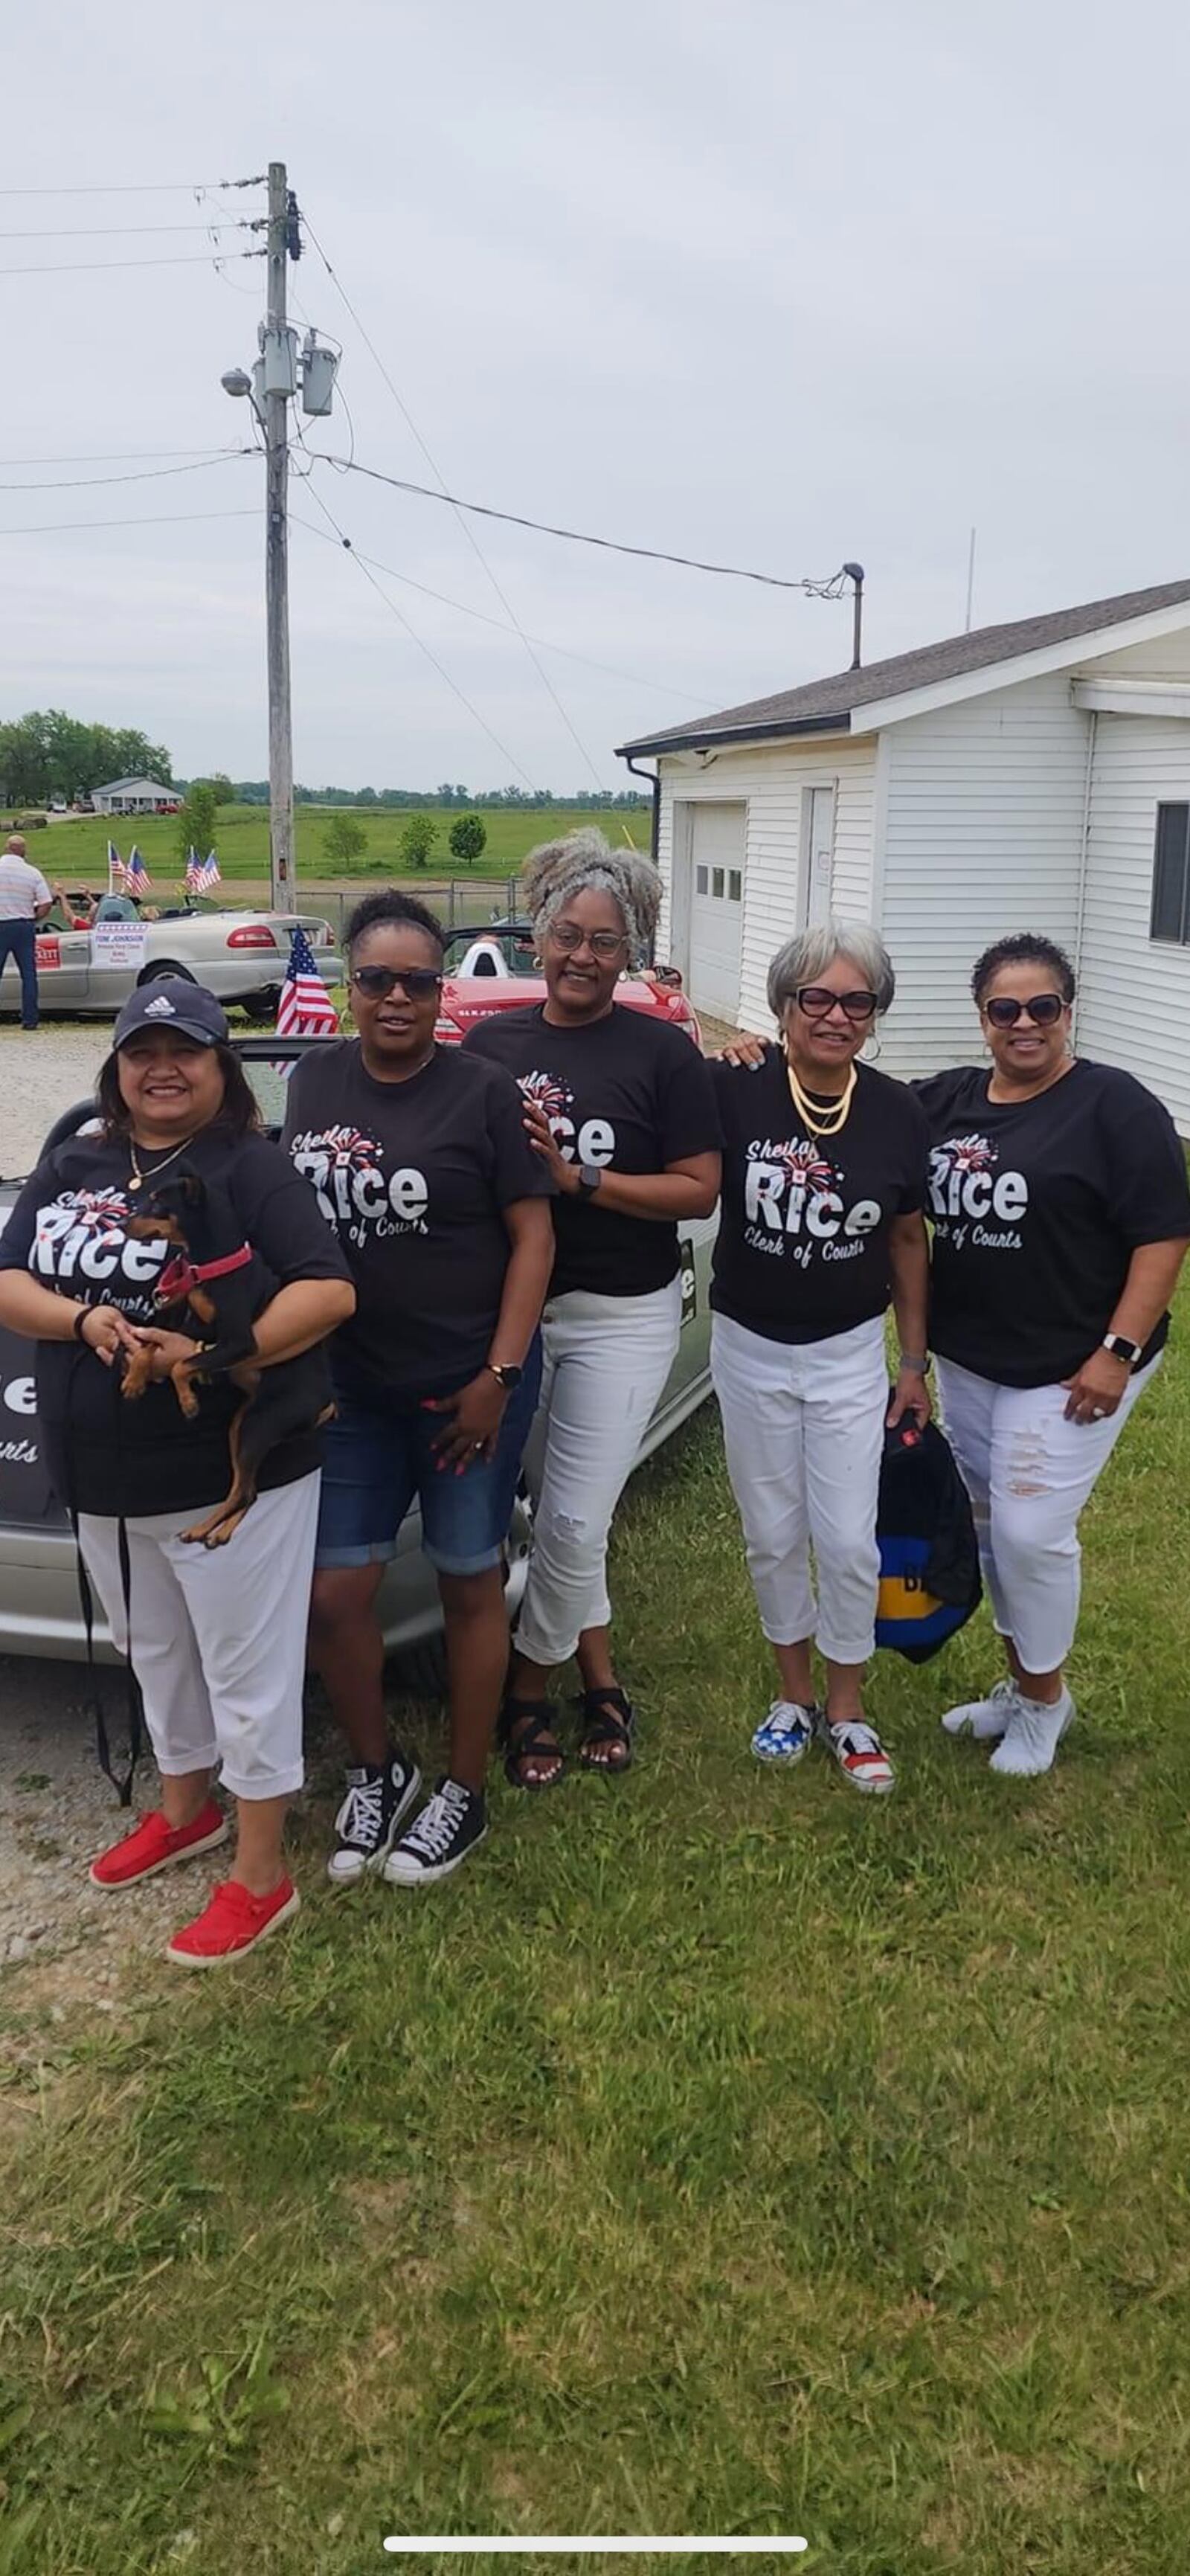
{"x":719,"y":2152}
{"x":75,"y":853}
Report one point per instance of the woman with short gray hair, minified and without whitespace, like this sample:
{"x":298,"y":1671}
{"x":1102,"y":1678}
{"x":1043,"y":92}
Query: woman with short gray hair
{"x":823,"y":1184}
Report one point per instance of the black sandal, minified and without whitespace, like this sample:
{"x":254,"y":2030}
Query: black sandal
{"x":535,"y":1720}
{"x":608,"y":1718}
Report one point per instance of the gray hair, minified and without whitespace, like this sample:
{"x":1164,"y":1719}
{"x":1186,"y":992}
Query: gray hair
{"x":806,"y":957}
{"x":585,"y":862}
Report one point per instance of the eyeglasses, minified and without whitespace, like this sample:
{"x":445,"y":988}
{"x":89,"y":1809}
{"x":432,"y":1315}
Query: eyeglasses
{"x":1044,"y":1009}
{"x":817,"y":1001}
{"x":606,"y":944}
{"x":377,"y":982}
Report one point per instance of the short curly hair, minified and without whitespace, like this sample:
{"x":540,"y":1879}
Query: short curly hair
{"x":584,"y":861}
{"x":388,"y":910}
{"x":1023,"y":948}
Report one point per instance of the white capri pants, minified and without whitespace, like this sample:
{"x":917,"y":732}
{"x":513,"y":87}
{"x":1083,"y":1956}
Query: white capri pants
{"x":218,"y":1635}
{"x":605,"y":1362}
{"x":1028,"y":1472}
{"x":803,"y":1425}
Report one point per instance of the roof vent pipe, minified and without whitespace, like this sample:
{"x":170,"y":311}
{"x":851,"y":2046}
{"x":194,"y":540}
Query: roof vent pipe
{"x":855,"y":574}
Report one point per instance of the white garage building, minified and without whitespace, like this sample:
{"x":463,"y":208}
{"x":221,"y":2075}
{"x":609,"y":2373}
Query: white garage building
{"x":1031,"y":776}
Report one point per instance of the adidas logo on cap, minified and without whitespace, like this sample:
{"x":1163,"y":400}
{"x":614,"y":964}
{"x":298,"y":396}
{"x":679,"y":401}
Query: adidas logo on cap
{"x":161,"y":1009}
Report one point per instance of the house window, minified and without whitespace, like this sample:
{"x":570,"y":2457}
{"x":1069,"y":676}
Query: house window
{"x":1171,"y":875}
{"x":717,"y":885}
{"x":700,"y":880}
{"x":735,"y":885}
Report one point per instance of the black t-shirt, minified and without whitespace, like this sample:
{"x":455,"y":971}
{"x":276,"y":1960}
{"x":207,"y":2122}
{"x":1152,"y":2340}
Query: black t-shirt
{"x":802,"y":1249}
{"x":67,"y":1229}
{"x":628,"y":1093}
{"x":414,"y":1177}
{"x":1037,"y":1208}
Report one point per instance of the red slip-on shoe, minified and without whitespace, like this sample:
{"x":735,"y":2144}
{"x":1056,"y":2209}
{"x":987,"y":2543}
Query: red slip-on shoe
{"x":232,"y":1924}
{"x":155,"y":1844}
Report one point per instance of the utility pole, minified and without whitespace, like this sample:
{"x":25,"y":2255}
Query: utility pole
{"x":276,"y":432}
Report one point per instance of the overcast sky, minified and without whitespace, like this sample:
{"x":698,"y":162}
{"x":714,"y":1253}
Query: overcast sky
{"x":776,"y":284}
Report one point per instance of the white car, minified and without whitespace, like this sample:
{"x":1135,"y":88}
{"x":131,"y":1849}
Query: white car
{"x":240,"y":956}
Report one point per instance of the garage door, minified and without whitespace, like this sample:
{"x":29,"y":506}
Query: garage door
{"x":716,"y":907}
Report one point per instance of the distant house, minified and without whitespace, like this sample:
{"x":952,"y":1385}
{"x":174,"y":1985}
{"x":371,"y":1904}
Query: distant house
{"x":1030,"y":776}
{"x":136,"y":796}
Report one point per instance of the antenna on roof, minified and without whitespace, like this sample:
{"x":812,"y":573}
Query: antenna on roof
{"x":855,"y":574}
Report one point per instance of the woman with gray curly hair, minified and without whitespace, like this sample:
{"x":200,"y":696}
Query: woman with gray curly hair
{"x":620,"y":1107}
{"x":824,"y":1171}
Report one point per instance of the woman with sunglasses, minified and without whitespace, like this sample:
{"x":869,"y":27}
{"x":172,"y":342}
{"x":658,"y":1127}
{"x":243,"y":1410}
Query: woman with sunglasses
{"x":823,"y":1184}
{"x":1061,"y":1216}
{"x":621,"y":1114}
{"x":420,"y":1164}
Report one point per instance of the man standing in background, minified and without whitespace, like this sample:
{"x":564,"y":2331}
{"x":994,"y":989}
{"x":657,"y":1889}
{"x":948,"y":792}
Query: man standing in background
{"x":25,"y":899}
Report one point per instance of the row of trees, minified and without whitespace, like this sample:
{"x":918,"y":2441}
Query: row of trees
{"x":467,"y":838}
{"x":52,"y":754}
{"x":255,"y":791}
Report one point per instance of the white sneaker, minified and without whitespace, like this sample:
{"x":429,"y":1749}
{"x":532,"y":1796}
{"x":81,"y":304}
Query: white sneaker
{"x":1032,"y":1737}
{"x":983,"y":1718}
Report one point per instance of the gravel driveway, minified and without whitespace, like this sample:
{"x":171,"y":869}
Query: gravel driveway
{"x":42,"y":1071}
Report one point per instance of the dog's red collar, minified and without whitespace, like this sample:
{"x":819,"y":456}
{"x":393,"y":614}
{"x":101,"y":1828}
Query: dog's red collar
{"x":181,"y":1275}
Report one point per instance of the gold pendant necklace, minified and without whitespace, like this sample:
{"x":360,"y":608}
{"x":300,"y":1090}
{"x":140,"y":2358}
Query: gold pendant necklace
{"x":818,"y":1124}
{"x":138,"y":1178}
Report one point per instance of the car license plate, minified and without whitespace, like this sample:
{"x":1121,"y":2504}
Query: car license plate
{"x":689,"y":1278}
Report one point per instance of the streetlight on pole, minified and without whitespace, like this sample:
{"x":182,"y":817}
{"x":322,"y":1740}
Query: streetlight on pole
{"x":271,"y":388}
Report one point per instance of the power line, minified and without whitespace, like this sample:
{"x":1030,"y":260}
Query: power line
{"x":141,"y":188}
{"x":100,"y":232}
{"x":172,"y":519}
{"x":117,"y":456}
{"x":546,"y":642}
{"x":468,"y":532}
{"x":176,"y":259}
{"x":155,"y":474}
{"x":828,"y":589}
{"x":423,"y":647}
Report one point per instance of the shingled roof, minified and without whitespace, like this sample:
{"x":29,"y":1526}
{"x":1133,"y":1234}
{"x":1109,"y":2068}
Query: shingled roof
{"x":826,"y":705}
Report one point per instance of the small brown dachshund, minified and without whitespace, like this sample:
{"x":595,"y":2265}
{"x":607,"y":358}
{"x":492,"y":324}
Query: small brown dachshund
{"x":218,"y":1282}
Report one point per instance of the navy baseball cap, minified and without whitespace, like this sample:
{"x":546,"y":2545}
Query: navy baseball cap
{"x":170,"y":1002}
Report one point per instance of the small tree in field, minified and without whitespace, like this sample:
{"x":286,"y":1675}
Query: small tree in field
{"x":196,"y":822}
{"x":345,"y":840}
{"x":417,"y":840}
{"x":468,"y":838}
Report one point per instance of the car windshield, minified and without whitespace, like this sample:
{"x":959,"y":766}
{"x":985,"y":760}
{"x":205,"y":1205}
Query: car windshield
{"x":512,"y":941}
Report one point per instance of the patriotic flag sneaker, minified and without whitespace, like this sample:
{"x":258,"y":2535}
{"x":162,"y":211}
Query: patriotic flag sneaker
{"x":983,"y":1718}
{"x":232,"y":1924}
{"x":859,"y":1753}
{"x":1032,"y":1737}
{"x":783,"y":1735}
{"x":154,"y":1845}
{"x":454,"y":1821}
{"x":378,"y":1795}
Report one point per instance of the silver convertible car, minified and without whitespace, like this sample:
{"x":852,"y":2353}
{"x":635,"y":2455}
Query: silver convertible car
{"x":39,"y":1596}
{"x":240,"y":956}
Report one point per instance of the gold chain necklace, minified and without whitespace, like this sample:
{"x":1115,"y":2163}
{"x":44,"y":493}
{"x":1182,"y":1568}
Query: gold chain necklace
{"x":138,"y":1178}
{"x":814,"y":1121}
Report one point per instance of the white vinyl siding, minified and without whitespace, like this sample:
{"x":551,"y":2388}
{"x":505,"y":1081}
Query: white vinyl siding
{"x":772,"y":783}
{"x":985,"y":808}
{"x":1134,"y":1008}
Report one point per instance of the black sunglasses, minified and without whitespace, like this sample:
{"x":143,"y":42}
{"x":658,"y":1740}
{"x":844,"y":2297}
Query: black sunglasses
{"x":1044,"y":1009}
{"x":416,"y":982}
{"x":817,"y":1001}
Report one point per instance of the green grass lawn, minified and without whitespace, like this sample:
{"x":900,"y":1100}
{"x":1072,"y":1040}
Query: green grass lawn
{"x":75,"y":853}
{"x":719,"y":2152}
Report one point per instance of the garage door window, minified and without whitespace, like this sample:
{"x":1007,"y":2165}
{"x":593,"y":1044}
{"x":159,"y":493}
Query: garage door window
{"x":1171,"y":875}
{"x":700,"y":880}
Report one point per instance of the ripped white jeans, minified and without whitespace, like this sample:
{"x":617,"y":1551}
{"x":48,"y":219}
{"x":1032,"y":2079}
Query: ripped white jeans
{"x":1029,"y":1472}
{"x":605,"y":1362}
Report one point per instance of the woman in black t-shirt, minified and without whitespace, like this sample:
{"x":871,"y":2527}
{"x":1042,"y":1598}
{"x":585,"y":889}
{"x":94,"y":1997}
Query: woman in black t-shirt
{"x":1061,"y":1215}
{"x":823,"y":1182}
{"x":621,"y":1113}
{"x":421,"y":1165}
{"x":217,"y":1635}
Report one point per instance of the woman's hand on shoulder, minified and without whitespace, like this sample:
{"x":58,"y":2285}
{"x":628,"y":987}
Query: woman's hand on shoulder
{"x":744,"y":1051}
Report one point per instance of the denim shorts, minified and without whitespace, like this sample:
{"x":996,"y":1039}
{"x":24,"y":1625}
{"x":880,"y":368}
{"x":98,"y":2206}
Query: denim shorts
{"x":379,"y":1460}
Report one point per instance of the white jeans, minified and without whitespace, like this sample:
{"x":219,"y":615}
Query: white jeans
{"x":1029,"y":1471}
{"x":803,"y":1424}
{"x":218,"y":1635}
{"x":606,"y":1360}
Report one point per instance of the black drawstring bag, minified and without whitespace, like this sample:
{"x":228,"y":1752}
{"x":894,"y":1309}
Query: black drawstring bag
{"x":929,"y":1559}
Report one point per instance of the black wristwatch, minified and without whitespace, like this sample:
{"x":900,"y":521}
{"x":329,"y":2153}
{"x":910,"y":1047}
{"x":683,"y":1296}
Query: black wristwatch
{"x":589,"y":1177}
{"x":506,"y":1373}
{"x":1122,"y":1349}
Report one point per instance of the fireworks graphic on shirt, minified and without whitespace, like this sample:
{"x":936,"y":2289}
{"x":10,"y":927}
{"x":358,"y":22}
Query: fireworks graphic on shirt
{"x":96,"y":1211}
{"x":547,"y":1093}
{"x":969,"y":1154}
{"x":346,"y":1148}
{"x":806,"y":1165}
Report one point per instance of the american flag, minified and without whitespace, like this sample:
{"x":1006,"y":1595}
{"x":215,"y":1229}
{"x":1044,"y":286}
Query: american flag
{"x":208,"y":874}
{"x":137,"y":879}
{"x":193,"y":879}
{"x":115,"y":869}
{"x":305,"y":1009}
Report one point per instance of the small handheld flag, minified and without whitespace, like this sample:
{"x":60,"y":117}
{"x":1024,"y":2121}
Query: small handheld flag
{"x":193,"y":878}
{"x":115,"y":869}
{"x":137,"y":879}
{"x":305,"y":1009}
{"x":208,"y":874}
